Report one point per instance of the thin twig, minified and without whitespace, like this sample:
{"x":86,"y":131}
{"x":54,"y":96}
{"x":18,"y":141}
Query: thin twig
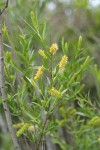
{"x":42,"y":134}
{"x":2,"y":87}
{"x":6,"y":5}
{"x":46,"y":119}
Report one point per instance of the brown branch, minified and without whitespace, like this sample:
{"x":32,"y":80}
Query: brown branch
{"x":46,"y":119}
{"x":42,"y":133}
{"x":2,"y":87}
{"x":6,"y":5}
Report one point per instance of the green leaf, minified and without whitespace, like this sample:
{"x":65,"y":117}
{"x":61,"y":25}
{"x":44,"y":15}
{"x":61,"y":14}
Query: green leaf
{"x":31,"y":117}
{"x":82,"y":114}
{"x":34,"y":20}
{"x":16,"y":67}
{"x":44,"y":31}
{"x":79,"y":42}
{"x":34,"y":84}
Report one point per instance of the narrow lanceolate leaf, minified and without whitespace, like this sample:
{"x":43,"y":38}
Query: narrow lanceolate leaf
{"x":34,"y":84}
{"x":79,"y":42}
{"x":86,"y":62}
{"x":44,"y":31}
{"x":34,"y":20}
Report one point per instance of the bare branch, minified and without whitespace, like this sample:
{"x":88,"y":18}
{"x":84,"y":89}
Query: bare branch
{"x":6,"y":5}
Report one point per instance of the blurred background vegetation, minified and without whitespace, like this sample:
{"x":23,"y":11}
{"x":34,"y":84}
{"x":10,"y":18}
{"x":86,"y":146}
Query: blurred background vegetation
{"x":68,"y":19}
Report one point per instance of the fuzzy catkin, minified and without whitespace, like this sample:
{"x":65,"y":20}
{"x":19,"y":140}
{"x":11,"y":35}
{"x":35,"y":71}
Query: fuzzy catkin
{"x":39,"y":73}
{"x":63,"y":62}
{"x":54,"y":92}
{"x":42,"y":53}
{"x":23,"y":129}
{"x":53,"y":48}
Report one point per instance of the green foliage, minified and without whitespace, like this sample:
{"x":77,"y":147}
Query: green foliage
{"x":52,"y":107}
{"x":30,"y":100}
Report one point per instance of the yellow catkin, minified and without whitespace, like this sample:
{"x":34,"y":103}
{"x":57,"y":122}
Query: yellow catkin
{"x":99,"y":139}
{"x":18,"y":126}
{"x":23,"y":129}
{"x":32,"y":128}
{"x":54,"y":92}
{"x":39,"y":73}
{"x":53,"y":48}
{"x":95,"y":121}
{"x":42,"y":53}
{"x":63,"y":62}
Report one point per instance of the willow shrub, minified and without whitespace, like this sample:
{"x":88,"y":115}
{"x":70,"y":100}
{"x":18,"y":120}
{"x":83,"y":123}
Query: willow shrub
{"x":45,"y":91}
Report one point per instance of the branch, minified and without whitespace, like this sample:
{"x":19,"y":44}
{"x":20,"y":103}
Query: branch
{"x":6,"y":5}
{"x":42,"y":134}
{"x":2,"y":88}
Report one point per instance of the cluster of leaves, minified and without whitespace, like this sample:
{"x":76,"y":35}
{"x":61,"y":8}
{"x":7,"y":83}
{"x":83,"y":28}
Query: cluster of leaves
{"x":36,"y":112}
